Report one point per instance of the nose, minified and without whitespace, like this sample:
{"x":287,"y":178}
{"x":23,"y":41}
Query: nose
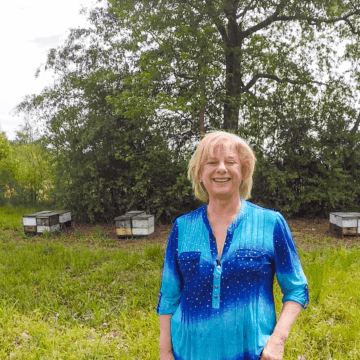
{"x":221,"y":167}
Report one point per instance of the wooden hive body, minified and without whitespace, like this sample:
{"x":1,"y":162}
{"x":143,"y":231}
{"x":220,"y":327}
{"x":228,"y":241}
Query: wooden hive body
{"x":47,"y":220}
{"x":123,"y":225}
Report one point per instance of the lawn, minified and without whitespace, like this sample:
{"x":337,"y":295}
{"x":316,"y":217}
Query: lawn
{"x":86,"y":297}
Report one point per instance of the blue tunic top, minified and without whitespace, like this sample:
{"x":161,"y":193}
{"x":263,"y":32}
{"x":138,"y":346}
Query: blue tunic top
{"x":225,"y":310}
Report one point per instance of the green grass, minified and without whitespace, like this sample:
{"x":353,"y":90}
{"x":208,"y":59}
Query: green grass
{"x":11,"y":217}
{"x":66,"y":299}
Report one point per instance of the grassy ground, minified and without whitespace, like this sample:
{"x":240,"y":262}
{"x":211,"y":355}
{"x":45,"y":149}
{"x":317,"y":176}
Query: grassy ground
{"x":85,"y":298}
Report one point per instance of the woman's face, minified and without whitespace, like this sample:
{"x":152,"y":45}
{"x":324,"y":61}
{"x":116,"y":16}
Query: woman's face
{"x":221,"y":174}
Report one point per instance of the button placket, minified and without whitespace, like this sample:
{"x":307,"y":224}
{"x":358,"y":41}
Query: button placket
{"x":216,"y":287}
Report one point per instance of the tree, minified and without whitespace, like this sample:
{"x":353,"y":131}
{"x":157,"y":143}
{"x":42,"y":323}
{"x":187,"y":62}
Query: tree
{"x":229,"y":55}
{"x":106,"y":163}
{"x":303,"y":171}
{"x":133,"y":90}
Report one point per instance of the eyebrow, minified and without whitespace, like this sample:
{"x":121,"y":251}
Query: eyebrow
{"x":232,"y":157}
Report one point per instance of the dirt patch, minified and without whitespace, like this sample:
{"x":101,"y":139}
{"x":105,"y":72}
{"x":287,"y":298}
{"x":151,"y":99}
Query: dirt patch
{"x":160,"y":234}
{"x":309,"y":234}
{"x":312,"y":234}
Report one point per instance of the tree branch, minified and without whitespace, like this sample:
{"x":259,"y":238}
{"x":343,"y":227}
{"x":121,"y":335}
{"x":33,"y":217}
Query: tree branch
{"x":256,"y":77}
{"x":217,"y":21}
{"x":243,"y":13}
{"x":272,"y":18}
{"x":356,"y":125}
{"x":312,"y":21}
{"x":246,"y":9}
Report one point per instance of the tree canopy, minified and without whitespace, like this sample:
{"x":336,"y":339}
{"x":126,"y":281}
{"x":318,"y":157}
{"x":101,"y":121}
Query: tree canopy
{"x":134,"y":92}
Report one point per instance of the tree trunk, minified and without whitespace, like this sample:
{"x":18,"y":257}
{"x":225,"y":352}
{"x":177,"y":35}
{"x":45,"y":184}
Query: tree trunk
{"x":233,"y":73}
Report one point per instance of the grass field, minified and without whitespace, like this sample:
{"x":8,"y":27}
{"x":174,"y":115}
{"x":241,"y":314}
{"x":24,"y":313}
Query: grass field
{"x":86,"y":298}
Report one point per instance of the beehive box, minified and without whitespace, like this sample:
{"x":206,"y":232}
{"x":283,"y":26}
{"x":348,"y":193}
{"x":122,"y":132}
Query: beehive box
{"x":47,"y":220}
{"x":134,"y":223}
{"x":345,"y":223}
{"x":123,"y":225}
{"x":143,"y":224}
{"x":64,"y":217}
{"x":29,"y":223}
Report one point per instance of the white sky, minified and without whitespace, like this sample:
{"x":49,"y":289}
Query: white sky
{"x":28,"y":29}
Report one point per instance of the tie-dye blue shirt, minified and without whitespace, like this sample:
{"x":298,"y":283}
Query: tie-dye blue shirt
{"x":225,"y":310}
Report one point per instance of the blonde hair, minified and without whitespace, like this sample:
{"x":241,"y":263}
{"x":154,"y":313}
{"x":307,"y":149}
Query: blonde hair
{"x":206,"y":149}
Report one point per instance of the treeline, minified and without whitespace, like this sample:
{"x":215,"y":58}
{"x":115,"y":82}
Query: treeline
{"x":136,"y":89}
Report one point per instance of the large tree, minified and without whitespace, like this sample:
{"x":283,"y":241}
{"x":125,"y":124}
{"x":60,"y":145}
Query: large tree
{"x":222,"y":57}
{"x":132,"y":91}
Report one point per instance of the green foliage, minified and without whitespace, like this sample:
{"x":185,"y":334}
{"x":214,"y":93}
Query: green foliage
{"x":123,"y":114}
{"x":106,"y":162}
{"x":305,"y":168}
{"x":26,"y":174}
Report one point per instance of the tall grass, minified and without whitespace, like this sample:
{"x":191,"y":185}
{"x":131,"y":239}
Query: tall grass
{"x":11,"y":216}
{"x":66,"y":299}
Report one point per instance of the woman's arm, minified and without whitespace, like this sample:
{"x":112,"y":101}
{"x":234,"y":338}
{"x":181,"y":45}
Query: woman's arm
{"x":165,"y":338}
{"x":274,"y":348}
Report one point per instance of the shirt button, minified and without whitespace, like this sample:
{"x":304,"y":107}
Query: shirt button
{"x":215,"y":296}
{"x":216,"y":286}
{"x":216,"y":276}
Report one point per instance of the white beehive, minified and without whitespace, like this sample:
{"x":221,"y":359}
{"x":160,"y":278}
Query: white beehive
{"x":345,"y":223}
{"x":143,"y":224}
{"x":29,"y":223}
{"x":134,"y":223}
{"x":64,"y":217}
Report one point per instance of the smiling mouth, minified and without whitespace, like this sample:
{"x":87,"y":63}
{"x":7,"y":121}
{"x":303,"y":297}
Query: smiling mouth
{"x":222,"y":180}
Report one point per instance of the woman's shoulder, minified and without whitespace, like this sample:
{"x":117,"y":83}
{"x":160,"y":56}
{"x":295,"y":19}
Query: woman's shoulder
{"x":262,"y":210}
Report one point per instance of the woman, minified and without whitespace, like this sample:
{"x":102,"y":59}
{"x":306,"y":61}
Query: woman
{"x":216,"y":298}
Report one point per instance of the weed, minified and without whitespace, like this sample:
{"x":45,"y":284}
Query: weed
{"x":99,"y":233}
{"x":79,"y":234}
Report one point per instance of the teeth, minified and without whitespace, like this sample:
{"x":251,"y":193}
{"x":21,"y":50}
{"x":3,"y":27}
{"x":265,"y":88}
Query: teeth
{"x":221,"y":180}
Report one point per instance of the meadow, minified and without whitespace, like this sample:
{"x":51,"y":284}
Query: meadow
{"x":84,"y":297}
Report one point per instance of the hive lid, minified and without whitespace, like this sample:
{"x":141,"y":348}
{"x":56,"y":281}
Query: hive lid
{"x":123,"y":217}
{"x":46,"y":214}
{"x":346,"y":214}
{"x":30,"y":215}
{"x":143,"y":217}
{"x":135,"y":212}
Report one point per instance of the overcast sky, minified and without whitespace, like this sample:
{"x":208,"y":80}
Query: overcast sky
{"x":28,"y":29}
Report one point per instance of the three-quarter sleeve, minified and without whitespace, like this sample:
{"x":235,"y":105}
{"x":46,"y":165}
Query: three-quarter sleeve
{"x":172,"y":283}
{"x":289,"y":272}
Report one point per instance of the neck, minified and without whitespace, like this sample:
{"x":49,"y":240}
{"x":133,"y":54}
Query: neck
{"x":224,"y":207}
